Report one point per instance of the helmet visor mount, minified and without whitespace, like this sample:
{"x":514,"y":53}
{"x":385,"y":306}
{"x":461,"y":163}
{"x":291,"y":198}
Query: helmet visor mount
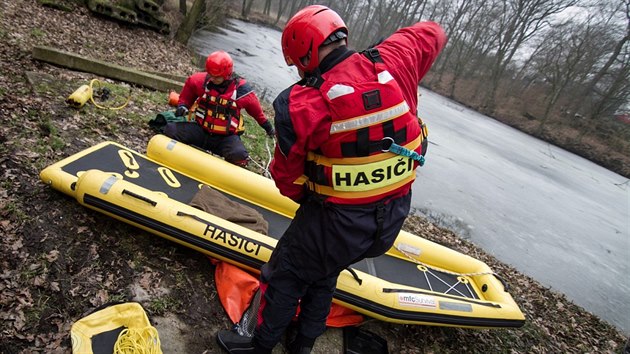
{"x":337,"y":36}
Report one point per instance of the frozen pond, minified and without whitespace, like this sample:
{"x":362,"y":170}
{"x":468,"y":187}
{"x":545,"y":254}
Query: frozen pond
{"x":551,"y":214}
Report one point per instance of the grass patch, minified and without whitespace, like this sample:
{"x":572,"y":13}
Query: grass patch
{"x":259,"y":146}
{"x":37,"y":33}
{"x":34,"y":313}
{"x":118,"y":298}
{"x":15,"y":211}
{"x":155,"y":97}
{"x":110,"y":98}
{"x":57,"y":144}
{"x":164,"y":304}
{"x":30,"y":272}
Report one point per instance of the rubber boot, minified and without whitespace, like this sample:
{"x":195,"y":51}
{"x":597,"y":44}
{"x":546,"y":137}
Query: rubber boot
{"x":232,"y":342}
{"x":301,"y":345}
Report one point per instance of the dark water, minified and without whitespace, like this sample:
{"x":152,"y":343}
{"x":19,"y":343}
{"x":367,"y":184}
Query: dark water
{"x":551,"y":214}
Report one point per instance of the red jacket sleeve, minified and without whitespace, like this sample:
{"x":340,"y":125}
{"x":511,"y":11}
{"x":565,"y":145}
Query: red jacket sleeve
{"x":302,"y":127}
{"x":251,"y":105}
{"x":409,"y":54}
{"x":193,"y":89}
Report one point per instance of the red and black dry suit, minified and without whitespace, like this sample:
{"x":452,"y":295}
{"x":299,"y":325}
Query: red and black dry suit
{"x":353,"y":197}
{"x":216,"y":116}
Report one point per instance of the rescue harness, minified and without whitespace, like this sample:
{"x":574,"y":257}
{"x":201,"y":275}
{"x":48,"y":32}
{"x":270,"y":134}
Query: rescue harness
{"x":356,"y":162}
{"x":217,"y":112}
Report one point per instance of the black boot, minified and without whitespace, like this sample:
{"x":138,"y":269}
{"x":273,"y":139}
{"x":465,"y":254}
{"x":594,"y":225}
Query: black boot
{"x":234,"y":343}
{"x":301,"y":345}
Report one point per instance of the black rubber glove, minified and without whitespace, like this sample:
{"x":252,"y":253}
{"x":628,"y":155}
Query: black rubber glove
{"x":271,"y":132}
{"x":181,"y":111}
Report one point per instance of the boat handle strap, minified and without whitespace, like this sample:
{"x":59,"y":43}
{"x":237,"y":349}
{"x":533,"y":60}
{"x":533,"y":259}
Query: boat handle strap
{"x":506,"y":286}
{"x":138,"y":196}
{"x":355,"y":276}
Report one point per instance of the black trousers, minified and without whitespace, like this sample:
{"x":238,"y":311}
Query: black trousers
{"x":322,"y":240}
{"x":230,"y":147}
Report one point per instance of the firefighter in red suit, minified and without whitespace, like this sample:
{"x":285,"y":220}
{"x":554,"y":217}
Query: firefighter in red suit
{"x":217,"y":97}
{"x":335,"y":129}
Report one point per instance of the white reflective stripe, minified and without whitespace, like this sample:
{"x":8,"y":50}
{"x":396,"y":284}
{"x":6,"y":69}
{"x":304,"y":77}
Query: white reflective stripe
{"x":171,"y":145}
{"x":107,"y":185}
{"x":370,"y":119}
{"x":339,"y":90}
{"x":384,"y":77}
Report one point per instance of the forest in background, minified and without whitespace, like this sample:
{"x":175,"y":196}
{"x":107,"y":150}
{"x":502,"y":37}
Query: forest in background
{"x":555,"y":69}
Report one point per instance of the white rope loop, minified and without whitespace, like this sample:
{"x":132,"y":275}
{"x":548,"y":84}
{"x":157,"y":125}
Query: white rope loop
{"x":401,"y":250}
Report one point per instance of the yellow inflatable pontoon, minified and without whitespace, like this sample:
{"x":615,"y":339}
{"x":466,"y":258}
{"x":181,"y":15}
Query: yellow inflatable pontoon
{"x":415,"y":282}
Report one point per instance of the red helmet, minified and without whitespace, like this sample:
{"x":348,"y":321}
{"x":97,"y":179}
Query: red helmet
{"x":307,"y":30}
{"x":219,"y":63}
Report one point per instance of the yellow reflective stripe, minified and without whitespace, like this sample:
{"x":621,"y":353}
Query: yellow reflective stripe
{"x":241,"y":125}
{"x":301,"y":180}
{"x":370,"y":176}
{"x":325,"y":190}
{"x":369,"y":119}
{"x":330,"y":161}
{"x":218,"y":128}
{"x":369,"y":166}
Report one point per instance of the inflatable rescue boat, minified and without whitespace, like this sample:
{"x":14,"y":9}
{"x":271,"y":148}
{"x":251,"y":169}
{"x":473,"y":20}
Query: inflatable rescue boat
{"x":415,"y":282}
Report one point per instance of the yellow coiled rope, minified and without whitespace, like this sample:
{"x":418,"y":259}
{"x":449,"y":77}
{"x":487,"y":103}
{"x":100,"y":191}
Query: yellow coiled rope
{"x":138,"y":341}
{"x":105,"y":107}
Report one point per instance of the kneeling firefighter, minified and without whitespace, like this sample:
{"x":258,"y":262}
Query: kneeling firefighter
{"x":213,"y":100}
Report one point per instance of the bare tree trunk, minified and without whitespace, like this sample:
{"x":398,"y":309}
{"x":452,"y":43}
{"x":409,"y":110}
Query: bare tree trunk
{"x":267,"y":7}
{"x":297,"y":5}
{"x":612,"y":98}
{"x":247,"y":6}
{"x":613,"y":56}
{"x":282,"y":6}
{"x":187,"y":27}
{"x":600,"y":74}
{"x":523,"y":19}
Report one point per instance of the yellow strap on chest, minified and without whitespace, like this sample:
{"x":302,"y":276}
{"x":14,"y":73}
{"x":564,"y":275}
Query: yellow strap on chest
{"x":375,"y":175}
{"x":326,"y":190}
{"x":329,"y":162}
{"x":362,"y":177}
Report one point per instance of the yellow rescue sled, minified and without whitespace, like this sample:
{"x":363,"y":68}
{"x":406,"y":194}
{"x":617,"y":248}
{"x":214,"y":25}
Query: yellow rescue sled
{"x":415,"y":282}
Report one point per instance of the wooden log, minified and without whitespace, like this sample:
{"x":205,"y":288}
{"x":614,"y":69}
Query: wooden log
{"x":104,"y":69}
